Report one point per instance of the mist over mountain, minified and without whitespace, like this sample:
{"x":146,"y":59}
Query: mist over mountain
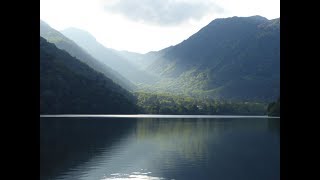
{"x":114,"y":59}
{"x":235,"y":58}
{"x":141,"y":61}
{"x":68,"y":85}
{"x":72,"y":48}
{"x":230,"y":59}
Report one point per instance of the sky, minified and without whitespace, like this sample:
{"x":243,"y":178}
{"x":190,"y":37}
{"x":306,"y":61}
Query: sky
{"x":147,"y":25}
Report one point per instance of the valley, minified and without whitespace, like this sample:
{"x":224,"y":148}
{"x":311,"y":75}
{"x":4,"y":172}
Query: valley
{"x":230,"y":66}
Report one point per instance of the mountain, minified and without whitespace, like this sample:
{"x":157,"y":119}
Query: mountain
{"x":114,"y":59}
{"x":72,"y":48}
{"x":141,"y":61}
{"x":68,"y":85}
{"x":235,"y":58}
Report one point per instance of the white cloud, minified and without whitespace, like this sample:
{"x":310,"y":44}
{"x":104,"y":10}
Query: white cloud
{"x":163,"y":12}
{"x":165,"y":23}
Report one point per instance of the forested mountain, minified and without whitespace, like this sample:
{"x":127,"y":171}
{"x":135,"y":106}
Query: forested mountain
{"x":73,"y":49}
{"x":68,"y":85}
{"x":234,"y":58}
{"x":232,"y":65}
{"x":110,"y":57}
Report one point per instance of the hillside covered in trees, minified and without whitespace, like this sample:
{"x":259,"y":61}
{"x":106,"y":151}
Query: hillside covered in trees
{"x":64,"y":43}
{"x":67,"y":85}
{"x":235,"y":58}
{"x":230,"y":66}
{"x":164,"y":103}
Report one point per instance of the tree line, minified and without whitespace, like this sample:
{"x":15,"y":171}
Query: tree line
{"x":164,"y":103}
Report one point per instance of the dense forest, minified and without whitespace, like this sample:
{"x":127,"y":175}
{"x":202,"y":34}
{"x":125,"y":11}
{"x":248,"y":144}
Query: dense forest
{"x":164,"y":103}
{"x":235,"y":58}
{"x":69,"y":86}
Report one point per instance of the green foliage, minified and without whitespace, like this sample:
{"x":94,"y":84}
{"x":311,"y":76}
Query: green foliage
{"x":69,"y":86}
{"x":199,"y":76}
{"x":165,"y":103}
{"x":234,"y":58}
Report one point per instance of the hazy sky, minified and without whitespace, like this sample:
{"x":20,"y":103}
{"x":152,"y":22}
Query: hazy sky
{"x":147,"y":25}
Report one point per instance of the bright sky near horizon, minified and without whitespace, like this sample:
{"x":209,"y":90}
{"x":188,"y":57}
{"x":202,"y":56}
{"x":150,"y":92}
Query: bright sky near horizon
{"x":147,"y":25}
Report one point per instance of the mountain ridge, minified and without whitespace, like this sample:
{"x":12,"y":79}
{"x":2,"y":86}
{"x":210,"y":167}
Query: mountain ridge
{"x":108,"y":56}
{"x":71,"y":47}
{"x":226,"y":56}
{"x":68,"y":85}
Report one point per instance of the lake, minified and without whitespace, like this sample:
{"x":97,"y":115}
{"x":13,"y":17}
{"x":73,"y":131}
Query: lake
{"x":180,"y":148}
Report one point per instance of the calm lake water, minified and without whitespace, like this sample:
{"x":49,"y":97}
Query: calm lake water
{"x":90,"y":148}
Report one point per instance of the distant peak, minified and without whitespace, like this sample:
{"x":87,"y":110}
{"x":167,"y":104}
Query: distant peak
{"x":254,"y":19}
{"x":43,"y":23}
{"x":257,"y":17}
{"x":276,"y":20}
{"x":75,"y":29}
{"x":273,"y":23}
{"x":72,"y":31}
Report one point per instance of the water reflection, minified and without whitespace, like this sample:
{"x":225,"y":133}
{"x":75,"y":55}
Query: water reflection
{"x":133,"y":176}
{"x":67,"y":142}
{"x":160,"y":149}
{"x":274,"y":126}
{"x":185,"y":138}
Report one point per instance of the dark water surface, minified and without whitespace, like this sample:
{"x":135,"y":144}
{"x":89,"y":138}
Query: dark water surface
{"x":160,"y":148}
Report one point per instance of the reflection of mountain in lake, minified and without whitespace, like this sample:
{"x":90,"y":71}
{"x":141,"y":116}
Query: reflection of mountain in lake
{"x":68,"y":142}
{"x":187,"y":137}
{"x":274,"y":125}
{"x":190,"y":139}
{"x":188,"y":149}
